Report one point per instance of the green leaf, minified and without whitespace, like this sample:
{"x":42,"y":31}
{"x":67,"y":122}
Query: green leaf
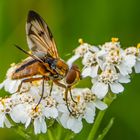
{"x":106,"y":129}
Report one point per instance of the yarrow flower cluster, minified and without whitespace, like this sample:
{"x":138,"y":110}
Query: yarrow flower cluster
{"x":108,"y":66}
{"x":21,"y":106}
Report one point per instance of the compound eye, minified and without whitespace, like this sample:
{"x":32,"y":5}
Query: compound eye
{"x":71,"y":76}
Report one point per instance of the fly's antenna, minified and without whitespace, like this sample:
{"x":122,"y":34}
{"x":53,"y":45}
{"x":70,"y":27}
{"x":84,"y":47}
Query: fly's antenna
{"x":33,"y":56}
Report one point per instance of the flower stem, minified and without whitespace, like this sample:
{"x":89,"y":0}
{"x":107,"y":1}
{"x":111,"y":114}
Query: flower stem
{"x":50,"y":135}
{"x":19,"y":131}
{"x":108,"y":100}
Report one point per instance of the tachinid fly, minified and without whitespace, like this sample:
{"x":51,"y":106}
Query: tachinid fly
{"x":44,"y":59}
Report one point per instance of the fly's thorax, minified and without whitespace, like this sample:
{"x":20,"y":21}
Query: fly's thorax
{"x":73,"y":75}
{"x":61,"y":67}
{"x":57,"y":67}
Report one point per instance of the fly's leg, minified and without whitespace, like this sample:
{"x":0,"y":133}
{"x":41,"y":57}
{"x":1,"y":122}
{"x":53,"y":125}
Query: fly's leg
{"x":42,"y":93}
{"x":66,"y":98}
{"x":51,"y":87}
{"x":59,"y":84}
{"x":66,"y":93}
{"x":69,"y":88}
{"x":27,"y":80}
{"x":72,"y":96}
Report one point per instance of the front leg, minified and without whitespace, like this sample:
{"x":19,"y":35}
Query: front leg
{"x":29,"y":80}
{"x":67,"y":89}
{"x":59,"y":84}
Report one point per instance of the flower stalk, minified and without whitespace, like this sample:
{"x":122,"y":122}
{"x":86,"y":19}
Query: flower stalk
{"x":93,"y":132}
{"x":50,"y":135}
{"x":19,"y":130}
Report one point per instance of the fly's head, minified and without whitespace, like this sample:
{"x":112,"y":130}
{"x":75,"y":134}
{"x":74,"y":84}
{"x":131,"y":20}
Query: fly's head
{"x":73,"y":75}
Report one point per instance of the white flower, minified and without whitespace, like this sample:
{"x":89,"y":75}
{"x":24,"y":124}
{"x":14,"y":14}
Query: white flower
{"x":19,"y":113}
{"x":84,"y":109}
{"x":49,"y":107}
{"x":11,"y":85}
{"x":91,"y":65}
{"x":137,"y":66}
{"x":71,"y":121}
{"x":36,"y":114}
{"x":111,"y":53}
{"x":111,"y":46}
{"x":108,"y":79}
{"x":128,"y":62}
{"x":120,"y":61}
{"x":5,"y":108}
{"x":80,"y":51}
{"x":135,"y":52}
{"x":91,"y":104}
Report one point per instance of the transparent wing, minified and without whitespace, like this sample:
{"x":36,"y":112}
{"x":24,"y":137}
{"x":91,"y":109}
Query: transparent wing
{"x":39,"y":36}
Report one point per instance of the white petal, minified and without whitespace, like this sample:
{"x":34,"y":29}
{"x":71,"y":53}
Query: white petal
{"x":34,"y":90}
{"x":62,"y":108}
{"x":37,"y":128}
{"x":89,"y":115}
{"x":63,"y":120}
{"x":101,"y":53}
{"x":43,"y":126}
{"x":51,"y":112}
{"x":124,"y":79}
{"x":124,"y":70}
{"x":94,"y":71}
{"x":100,"y":89}
{"x":7,"y":123}
{"x":94,"y":49}
{"x":28,"y":122}
{"x":100,"y":105}
{"x":19,"y":114}
{"x":72,"y":60}
{"x":71,"y":122}
{"x":12,"y":85}
{"x":91,"y":105}
{"x":54,"y":112}
{"x":86,"y":72}
{"x":137,"y":67}
{"x":130,"y":60}
{"x":116,"y":87}
{"x":77,"y":126}
{"x":2,"y":118}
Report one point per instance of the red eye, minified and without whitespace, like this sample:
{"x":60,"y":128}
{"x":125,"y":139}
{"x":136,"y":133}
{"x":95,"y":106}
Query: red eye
{"x":71,"y":76}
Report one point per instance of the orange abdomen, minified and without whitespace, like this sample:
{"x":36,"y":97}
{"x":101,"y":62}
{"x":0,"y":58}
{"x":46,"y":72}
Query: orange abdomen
{"x":30,"y":68}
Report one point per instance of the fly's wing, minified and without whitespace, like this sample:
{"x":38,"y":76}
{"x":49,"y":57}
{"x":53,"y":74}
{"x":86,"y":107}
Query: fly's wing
{"x":39,"y":37}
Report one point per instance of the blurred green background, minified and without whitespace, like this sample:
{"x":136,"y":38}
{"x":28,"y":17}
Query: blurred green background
{"x":96,"y":21}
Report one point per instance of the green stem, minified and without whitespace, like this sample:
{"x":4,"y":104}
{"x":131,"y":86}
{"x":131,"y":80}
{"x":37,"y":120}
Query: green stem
{"x":19,"y":131}
{"x":108,"y":100}
{"x":59,"y":132}
{"x":50,"y":135}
